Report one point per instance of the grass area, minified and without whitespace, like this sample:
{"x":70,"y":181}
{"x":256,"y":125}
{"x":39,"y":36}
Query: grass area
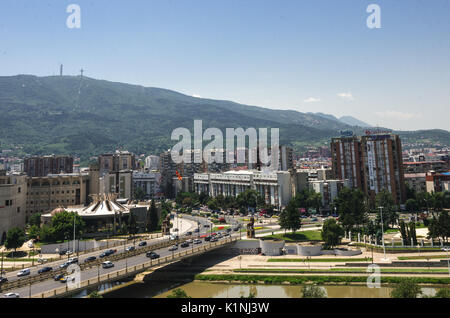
{"x":404,"y":258}
{"x":346,"y":269}
{"x":399,"y":249}
{"x":298,"y":236}
{"x":279,"y":279}
{"x":25,"y":259}
{"x":312,"y":260}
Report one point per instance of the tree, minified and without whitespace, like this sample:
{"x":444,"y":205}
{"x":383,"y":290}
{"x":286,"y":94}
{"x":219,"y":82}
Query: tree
{"x":440,"y":227}
{"x":404,"y":233}
{"x":34,"y":231}
{"x":312,"y":291}
{"x":154,"y":221}
{"x":35,"y":219}
{"x":332,"y":233}
{"x":47,"y":234}
{"x":290,"y":218}
{"x":443,"y":293}
{"x":139,"y":194}
{"x":352,"y":208}
{"x":132,"y":224}
{"x":212,"y":204}
{"x":406,"y":289}
{"x":385,"y":199}
{"x":15,"y":238}
{"x":178,"y":293}
{"x":412,"y":206}
{"x":62,"y":223}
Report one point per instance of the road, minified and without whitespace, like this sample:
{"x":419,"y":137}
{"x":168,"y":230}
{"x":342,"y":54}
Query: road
{"x":50,"y":284}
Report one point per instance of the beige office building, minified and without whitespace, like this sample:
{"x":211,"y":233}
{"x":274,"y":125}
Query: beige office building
{"x":13,"y":191}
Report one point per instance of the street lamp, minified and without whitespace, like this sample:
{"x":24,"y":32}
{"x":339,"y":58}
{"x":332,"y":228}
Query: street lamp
{"x":382,"y":234}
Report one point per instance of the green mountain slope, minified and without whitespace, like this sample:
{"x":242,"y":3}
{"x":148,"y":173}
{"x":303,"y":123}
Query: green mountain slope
{"x":87,"y":116}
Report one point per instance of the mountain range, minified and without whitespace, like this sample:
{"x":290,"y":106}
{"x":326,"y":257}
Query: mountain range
{"x":83,"y":116}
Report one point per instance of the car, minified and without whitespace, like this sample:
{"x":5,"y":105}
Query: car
{"x":3,"y":280}
{"x":58,"y":277}
{"x":107,"y":264}
{"x":23,"y":272}
{"x":63,"y":252}
{"x":152,"y":255}
{"x":196,"y":230}
{"x":130,"y":248}
{"x":197,"y":241}
{"x":73,"y":260}
{"x":229,"y":229}
{"x":226,"y":234}
{"x":219,"y":235}
{"x":208,"y":238}
{"x":314,"y":219}
{"x":11,"y":295}
{"x":90,"y":259}
{"x":235,"y":229}
{"x":30,"y":244}
{"x":214,"y":239}
{"x":188,"y":233}
{"x":107,"y":253}
{"x":65,"y":264}
{"x":69,"y":252}
{"x":214,"y":234}
{"x":174,"y":237}
{"x":175,"y":230}
{"x":185,"y":244}
{"x":44,"y":270}
{"x":173,"y":248}
{"x":143,"y":243}
{"x":64,"y":279}
{"x":206,"y":225}
{"x":42,"y":260}
{"x":189,"y":241}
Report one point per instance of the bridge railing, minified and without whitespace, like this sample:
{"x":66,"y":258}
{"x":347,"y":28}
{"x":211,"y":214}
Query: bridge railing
{"x":132,"y":270}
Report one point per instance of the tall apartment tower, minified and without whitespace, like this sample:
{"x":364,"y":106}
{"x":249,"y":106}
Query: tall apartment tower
{"x":42,"y":166}
{"x":346,"y":160}
{"x":383,"y":165}
{"x":371,"y":163}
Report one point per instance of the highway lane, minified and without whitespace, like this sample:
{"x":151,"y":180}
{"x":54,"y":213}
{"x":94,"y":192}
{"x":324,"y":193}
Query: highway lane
{"x":12,"y":276}
{"x":94,"y":272}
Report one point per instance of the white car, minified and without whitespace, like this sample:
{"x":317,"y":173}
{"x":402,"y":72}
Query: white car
{"x":173,"y":248}
{"x":11,"y":295}
{"x":197,"y":241}
{"x":30,"y":244}
{"x":107,"y":264}
{"x":23,"y":272}
{"x":41,"y":260}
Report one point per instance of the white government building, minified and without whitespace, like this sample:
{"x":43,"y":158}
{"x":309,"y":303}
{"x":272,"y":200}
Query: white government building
{"x":274,"y":186}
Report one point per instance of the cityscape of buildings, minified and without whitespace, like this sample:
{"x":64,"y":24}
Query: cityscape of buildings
{"x":373,"y":162}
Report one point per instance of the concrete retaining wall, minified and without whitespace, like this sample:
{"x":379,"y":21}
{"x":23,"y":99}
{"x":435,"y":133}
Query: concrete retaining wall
{"x":271,"y":247}
{"x":309,"y":250}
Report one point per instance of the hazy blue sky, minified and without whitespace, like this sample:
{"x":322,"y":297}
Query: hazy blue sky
{"x":304,"y":55}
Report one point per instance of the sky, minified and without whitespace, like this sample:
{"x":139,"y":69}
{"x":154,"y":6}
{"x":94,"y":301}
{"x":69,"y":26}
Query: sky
{"x":309,"y":56}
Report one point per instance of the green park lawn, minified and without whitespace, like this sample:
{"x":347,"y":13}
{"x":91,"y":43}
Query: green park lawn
{"x":298,"y":236}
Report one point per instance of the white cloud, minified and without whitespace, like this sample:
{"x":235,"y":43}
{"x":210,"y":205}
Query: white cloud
{"x":346,"y":96}
{"x":393,"y":114}
{"x":311,"y":100}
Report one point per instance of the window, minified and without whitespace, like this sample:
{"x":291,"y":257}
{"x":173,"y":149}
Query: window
{"x":18,"y":209}
{"x":19,"y":190}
